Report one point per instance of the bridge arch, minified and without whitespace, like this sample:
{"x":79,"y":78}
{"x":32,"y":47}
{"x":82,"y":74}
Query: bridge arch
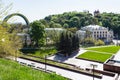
{"x":16,"y":14}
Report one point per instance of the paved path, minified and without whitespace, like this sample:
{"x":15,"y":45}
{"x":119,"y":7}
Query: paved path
{"x":117,"y":56}
{"x":62,"y":72}
{"x":77,"y":62}
{"x":116,"y":41}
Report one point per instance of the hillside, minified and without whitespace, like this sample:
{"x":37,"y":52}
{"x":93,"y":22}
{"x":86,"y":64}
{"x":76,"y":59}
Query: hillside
{"x":80,"y":19}
{"x":10,"y":70}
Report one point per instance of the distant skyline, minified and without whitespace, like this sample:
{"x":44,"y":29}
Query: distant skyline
{"x":39,"y":9}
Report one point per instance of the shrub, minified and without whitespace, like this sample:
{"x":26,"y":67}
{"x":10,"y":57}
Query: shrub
{"x":99,"y":43}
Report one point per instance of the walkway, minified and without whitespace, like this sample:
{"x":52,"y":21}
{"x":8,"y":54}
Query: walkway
{"x":117,"y":56}
{"x":62,"y":72}
{"x":80,"y":63}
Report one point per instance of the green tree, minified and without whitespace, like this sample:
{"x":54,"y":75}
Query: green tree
{"x":16,"y":44}
{"x":10,"y":43}
{"x":73,"y":30}
{"x":4,"y":41}
{"x":51,"y":24}
{"x":37,"y":33}
{"x":75,"y":22}
{"x":75,"y":42}
{"x":67,"y":43}
{"x":44,"y":22}
{"x":66,"y":25}
{"x":53,"y":35}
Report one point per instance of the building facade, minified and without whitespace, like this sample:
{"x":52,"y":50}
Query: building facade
{"x":99,"y":32}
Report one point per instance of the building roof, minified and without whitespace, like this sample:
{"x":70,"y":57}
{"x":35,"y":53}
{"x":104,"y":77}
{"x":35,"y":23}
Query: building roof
{"x":81,"y":31}
{"x":93,"y":27}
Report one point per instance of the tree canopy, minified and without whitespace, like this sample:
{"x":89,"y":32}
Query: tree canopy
{"x":10,"y":43}
{"x":37,"y":33}
{"x":80,"y":19}
{"x":68,"y":42}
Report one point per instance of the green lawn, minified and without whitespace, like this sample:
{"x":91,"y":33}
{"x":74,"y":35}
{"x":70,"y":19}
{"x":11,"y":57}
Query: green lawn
{"x":95,"y":56}
{"x":10,"y":70}
{"x":108,"y":49}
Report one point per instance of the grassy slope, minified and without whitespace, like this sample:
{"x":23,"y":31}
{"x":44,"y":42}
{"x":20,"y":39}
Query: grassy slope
{"x":109,"y":49}
{"x":95,"y":56}
{"x":10,"y":70}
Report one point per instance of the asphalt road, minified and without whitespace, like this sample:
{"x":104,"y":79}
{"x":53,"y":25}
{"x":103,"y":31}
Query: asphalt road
{"x":62,"y":72}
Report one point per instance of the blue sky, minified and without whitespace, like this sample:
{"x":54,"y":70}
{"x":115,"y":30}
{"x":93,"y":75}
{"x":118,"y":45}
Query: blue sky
{"x":38,"y":9}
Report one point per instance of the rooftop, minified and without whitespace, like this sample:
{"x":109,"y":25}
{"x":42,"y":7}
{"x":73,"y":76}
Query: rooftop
{"x":93,"y":27}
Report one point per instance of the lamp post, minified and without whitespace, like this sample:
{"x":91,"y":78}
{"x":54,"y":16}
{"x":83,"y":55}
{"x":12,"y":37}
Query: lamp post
{"x":93,"y":66}
{"x":45,"y":63}
{"x":16,"y":54}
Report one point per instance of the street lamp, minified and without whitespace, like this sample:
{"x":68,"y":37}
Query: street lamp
{"x":45,"y":63}
{"x":93,"y":66}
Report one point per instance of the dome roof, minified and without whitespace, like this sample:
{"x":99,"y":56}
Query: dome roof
{"x":93,"y":27}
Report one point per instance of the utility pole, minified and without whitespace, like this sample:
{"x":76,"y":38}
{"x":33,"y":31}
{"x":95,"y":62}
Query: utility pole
{"x":45,"y":63}
{"x":93,"y":66}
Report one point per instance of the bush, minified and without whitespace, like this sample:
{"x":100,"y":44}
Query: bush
{"x":99,"y":43}
{"x":29,"y":50}
{"x":88,"y":41}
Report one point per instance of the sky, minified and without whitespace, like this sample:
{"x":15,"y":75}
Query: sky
{"x":39,"y":9}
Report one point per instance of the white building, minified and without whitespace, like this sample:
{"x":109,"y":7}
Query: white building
{"x":81,"y":34}
{"x":99,"y":32}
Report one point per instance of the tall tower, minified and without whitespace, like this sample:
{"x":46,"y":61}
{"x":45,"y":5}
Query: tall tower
{"x":96,"y":13}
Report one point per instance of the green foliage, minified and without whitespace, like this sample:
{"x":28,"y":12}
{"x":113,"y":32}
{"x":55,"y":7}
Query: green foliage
{"x":37,"y":33}
{"x":88,"y":41}
{"x":10,"y":70}
{"x":69,"y":19}
{"x":73,"y":30}
{"x":111,"y":20}
{"x":75,"y":42}
{"x":66,"y":25}
{"x":43,"y":52}
{"x":99,"y":43}
{"x":75,"y":22}
{"x":52,"y":24}
{"x":28,"y":50}
{"x":44,"y":22}
{"x":67,"y":43}
{"x":9,"y":43}
{"x":53,"y":36}
{"x":81,"y":19}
